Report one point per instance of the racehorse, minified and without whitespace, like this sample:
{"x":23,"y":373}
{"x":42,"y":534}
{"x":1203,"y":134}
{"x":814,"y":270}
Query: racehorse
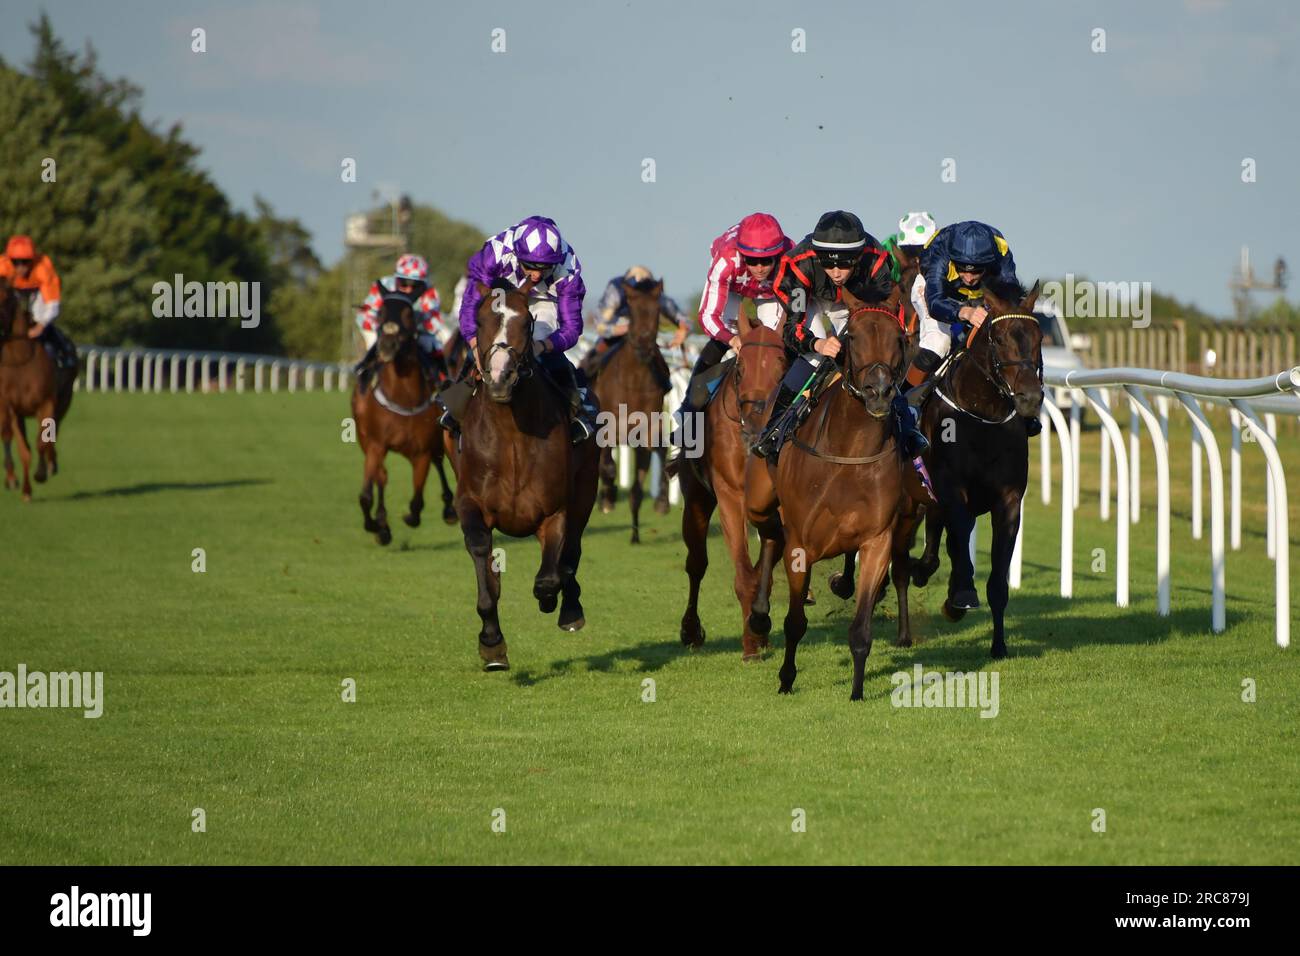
{"x":631,"y":385}
{"x":839,"y":483}
{"x":397,"y":413}
{"x":30,"y":385}
{"x":985,"y":392}
{"x":732,"y":422}
{"x":519,"y":471}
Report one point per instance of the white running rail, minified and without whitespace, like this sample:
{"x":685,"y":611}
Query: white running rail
{"x":130,"y":369}
{"x":1252,"y":404}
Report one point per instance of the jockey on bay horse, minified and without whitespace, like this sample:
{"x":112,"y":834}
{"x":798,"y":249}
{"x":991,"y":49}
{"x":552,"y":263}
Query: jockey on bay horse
{"x":33,"y":276}
{"x":410,"y":279}
{"x":532,"y":254}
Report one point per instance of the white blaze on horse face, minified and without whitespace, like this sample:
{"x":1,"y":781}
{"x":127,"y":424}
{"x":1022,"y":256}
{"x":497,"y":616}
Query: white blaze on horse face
{"x":500,"y":357}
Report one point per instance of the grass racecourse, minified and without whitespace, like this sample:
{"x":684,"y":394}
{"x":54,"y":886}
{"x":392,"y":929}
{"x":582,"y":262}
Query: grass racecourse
{"x":223,"y":689}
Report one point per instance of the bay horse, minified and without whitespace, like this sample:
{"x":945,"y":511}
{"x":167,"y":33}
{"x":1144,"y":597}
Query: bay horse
{"x":519,"y":471}
{"x":632,"y":383}
{"x":30,"y":386}
{"x":732,"y":422}
{"x":837,"y":486}
{"x":985,"y":392}
{"x":397,"y":413}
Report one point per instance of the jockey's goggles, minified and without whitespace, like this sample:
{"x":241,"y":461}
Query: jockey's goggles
{"x":542,"y":267}
{"x":838,"y":258}
{"x":970,"y":267}
{"x":760,"y":260}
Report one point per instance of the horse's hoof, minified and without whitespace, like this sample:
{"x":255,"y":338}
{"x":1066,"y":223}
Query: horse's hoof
{"x":998,"y":651}
{"x":693,"y":637}
{"x":952,"y":613}
{"x":661,"y":507}
{"x":841,"y":586}
{"x":546,"y":603}
{"x":965,"y":600}
{"x":384,"y":535}
{"x":412,"y":520}
{"x":449,"y":515}
{"x":573,"y":626}
{"x":856,"y":695}
{"x":922,"y":571}
{"x":38,"y":477}
{"x":27,"y":497}
{"x":785,"y":688}
{"x":494,"y":657}
{"x":903,"y":642}
{"x":810,"y":600}
{"x":606,"y":507}
{"x":760,"y":623}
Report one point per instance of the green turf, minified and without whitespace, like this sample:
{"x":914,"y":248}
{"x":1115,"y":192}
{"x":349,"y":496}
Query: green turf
{"x":223,"y":688}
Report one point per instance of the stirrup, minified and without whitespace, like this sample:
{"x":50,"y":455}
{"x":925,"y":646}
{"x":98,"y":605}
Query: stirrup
{"x":448,"y":421}
{"x":579,"y":430}
{"x":915,"y":444}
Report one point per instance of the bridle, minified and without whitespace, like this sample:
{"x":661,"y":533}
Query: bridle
{"x":994,"y":372}
{"x":395,"y":327}
{"x":760,"y":405}
{"x":894,"y":373}
{"x":521,"y":364}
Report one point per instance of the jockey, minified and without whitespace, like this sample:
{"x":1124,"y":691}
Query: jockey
{"x":741,"y":263}
{"x":953,"y":267}
{"x":410,"y":279}
{"x":29,"y":273}
{"x":914,"y":231}
{"x":839,"y":254}
{"x":534,"y":251}
{"x":611,"y":322}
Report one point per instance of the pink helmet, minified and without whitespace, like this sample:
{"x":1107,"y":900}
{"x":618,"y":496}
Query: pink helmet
{"x":412,"y":267}
{"x":761,"y":236}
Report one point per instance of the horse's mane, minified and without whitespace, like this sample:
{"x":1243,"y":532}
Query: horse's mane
{"x":505,"y":284}
{"x":1006,"y":290}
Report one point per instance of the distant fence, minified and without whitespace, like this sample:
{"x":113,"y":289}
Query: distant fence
{"x":1107,"y":390}
{"x":176,"y":370}
{"x":1224,"y":352}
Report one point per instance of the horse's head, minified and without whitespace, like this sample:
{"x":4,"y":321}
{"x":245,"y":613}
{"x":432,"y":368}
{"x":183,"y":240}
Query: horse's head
{"x":642,"y":312}
{"x":396,"y":327}
{"x":759,"y":367}
{"x":874,"y":350}
{"x":1015,"y":345}
{"x":505,"y":338}
{"x":15,"y":318}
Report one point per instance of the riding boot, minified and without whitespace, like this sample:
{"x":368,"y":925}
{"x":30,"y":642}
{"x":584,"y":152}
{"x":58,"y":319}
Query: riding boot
{"x":1033,"y":425}
{"x":769,"y":442}
{"x":908,"y":435}
{"x":583,"y":425}
{"x":364,"y":369}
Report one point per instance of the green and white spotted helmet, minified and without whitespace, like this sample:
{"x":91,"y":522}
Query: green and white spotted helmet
{"x":916,"y":229}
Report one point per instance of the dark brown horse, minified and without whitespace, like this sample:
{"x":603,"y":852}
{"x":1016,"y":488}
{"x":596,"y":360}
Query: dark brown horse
{"x":519,"y":471}
{"x":30,"y":386}
{"x":732,"y":422}
{"x":397,"y":413}
{"x":979,"y":450}
{"x":630,"y":388}
{"x":839,"y":483}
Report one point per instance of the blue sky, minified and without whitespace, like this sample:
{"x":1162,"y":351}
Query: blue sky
{"x":1123,"y":165}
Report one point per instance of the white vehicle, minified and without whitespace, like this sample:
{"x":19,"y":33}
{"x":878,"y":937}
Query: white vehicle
{"x":1058,"y":345}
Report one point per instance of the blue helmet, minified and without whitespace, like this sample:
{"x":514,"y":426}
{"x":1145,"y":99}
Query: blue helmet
{"x":973,"y":243}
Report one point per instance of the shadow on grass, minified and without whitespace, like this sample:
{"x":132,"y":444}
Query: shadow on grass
{"x":1034,"y":629}
{"x":153,"y":487}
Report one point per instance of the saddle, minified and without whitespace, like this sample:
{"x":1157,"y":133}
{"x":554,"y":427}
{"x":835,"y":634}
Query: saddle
{"x":704,"y":386}
{"x":596,"y":360}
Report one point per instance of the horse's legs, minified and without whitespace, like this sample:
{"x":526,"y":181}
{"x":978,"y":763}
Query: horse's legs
{"x":661,"y":497}
{"x":874,"y":560}
{"x":44,"y":447}
{"x":747,"y":581}
{"x":1005,"y":518}
{"x":478,"y":542}
{"x":578,"y":512}
{"x":381,"y":513}
{"x":419,"y":474}
{"x":923,"y":568}
{"x":7,"y":436}
{"x":842,"y":582}
{"x":700,"y":505}
{"x":900,"y":567}
{"x":637,"y":494}
{"x":24,"y":455}
{"x":448,"y":510}
{"x":608,"y":479}
{"x":367,"y":496}
{"x":547,"y":584}
{"x":959,"y":523}
{"x":796,"y":621}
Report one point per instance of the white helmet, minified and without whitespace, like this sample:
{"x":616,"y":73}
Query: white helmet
{"x":916,"y":229}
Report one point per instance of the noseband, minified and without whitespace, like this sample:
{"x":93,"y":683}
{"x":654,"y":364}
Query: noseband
{"x":994,"y":372}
